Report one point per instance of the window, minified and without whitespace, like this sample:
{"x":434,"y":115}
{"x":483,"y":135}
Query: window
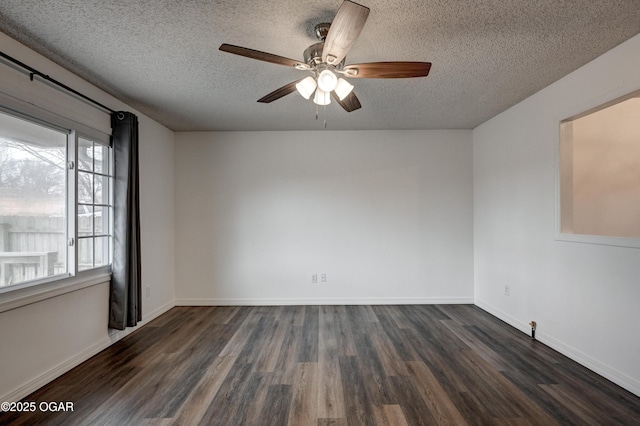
{"x":55,"y":218}
{"x":94,"y":204}
{"x":600,"y":171}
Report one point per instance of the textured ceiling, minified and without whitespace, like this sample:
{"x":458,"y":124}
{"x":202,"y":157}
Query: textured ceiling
{"x":162,"y":57}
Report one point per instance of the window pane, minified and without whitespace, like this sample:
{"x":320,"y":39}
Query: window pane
{"x":85,"y":155}
{"x":101,"y":220}
{"x":600,"y":171}
{"x":101,"y":186}
{"x":101,"y":251}
{"x":94,"y":204}
{"x":85,"y":253}
{"x":85,"y":187}
{"x":85,"y":220}
{"x":101,"y":159}
{"x":32,"y":201}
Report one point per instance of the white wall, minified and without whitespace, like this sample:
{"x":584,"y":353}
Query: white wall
{"x":43,"y":340}
{"x":584,"y":297}
{"x":387,"y":215}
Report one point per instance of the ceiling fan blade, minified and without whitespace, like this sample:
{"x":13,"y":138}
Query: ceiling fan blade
{"x":349,"y":103}
{"x":344,"y":31}
{"x":388,"y":70}
{"x":263,"y":56}
{"x":278,"y":93}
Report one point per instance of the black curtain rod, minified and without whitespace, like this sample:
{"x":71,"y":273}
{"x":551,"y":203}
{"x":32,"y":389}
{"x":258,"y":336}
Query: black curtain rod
{"x":33,"y":71}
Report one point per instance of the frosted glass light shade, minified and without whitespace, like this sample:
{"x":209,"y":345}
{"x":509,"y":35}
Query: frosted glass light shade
{"x":322,"y":97}
{"x":306,"y":87}
{"x":327,"y":81}
{"x":343,"y":88}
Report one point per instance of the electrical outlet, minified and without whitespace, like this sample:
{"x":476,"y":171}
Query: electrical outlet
{"x":314,"y":278}
{"x":147,"y":291}
{"x":323,"y":277}
{"x":507,"y":290}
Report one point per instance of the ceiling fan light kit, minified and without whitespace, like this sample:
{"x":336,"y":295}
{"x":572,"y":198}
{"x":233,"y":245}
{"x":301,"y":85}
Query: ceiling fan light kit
{"x":306,"y":87}
{"x":327,"y":81}
{"x":321,"y":97}
{"x":343,"y":88}
{"x":326,"y":60}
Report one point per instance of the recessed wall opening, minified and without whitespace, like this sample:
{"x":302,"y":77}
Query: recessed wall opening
{"x":600,"y":170}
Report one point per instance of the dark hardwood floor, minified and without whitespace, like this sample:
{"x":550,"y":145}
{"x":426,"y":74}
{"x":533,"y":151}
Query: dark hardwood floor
{"x":331,"y":365}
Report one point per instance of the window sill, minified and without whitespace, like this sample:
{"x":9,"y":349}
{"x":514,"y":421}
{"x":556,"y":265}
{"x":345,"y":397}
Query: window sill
{"x":598,"y":239}
{"x":14,"y":297}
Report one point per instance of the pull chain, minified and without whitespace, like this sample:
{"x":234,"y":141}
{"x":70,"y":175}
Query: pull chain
{"x":325,"y":116}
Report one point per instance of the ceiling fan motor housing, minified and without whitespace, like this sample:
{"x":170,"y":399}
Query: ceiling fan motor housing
{"x":313,"y":56}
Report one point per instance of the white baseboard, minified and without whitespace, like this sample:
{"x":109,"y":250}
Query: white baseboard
{"x":116,"y":335}
{"x":74,"y":361}
{"x":55,"y":372}
{"x":513,"y":322}
{"x":606,"y":371}
{"x":336,"y":301}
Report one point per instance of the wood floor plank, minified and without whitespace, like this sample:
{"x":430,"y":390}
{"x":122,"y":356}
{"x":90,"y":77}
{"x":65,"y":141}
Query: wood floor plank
{"x":397,"y":316}
{"x":589,"y":385}
{"x":176,"y":385}
{"x":389,"y":415}
{"x":356,"y":400}
{"x":366,"y":313}
{"x":332,"y":422}
{"x":234,"y":396}
{"x":269,"y":357}
{"x":304,"y":402}
{"x":255,"y":409}
{"x":516,"y":358}
{"x":127,"y":405}
{"x":331,"y":365}
{"x":389,"y":357}
{"x":507,"y":401}
{"x":308,"y":348}
{"x":330,"y":392}
{"x":284,"y":372}
{"x":344,"y":332}
{"x":276,"y":407}
{"x":327,"y":335}
{"x":415,"y":410}
{"x":395,"y":334}
{"x":257,"y":341}
{"x":394,"y":415}
{"x":299,"y":313}
{"x":376,"y":382}
{"x":195,"y":406}
{"x":438,"y":402}
{"x":238,"y":340}
{"x":584,"y":414}
{"x":489,"y":355}
{"x":535,"y":393}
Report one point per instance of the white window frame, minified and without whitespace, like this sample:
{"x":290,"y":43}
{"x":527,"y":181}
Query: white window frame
{"x":17,"y":295}
{"x":561,"y":117}
{"x":109,"y":204}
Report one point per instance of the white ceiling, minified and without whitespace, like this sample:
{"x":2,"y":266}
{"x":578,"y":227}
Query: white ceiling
{"x":162,"y":57}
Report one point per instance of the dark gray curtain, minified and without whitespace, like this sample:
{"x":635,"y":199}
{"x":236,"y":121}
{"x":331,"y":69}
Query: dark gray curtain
{"x":126,"y":285}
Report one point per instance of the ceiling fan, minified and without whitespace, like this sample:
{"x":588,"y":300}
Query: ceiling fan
{"x":326,"y":61}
